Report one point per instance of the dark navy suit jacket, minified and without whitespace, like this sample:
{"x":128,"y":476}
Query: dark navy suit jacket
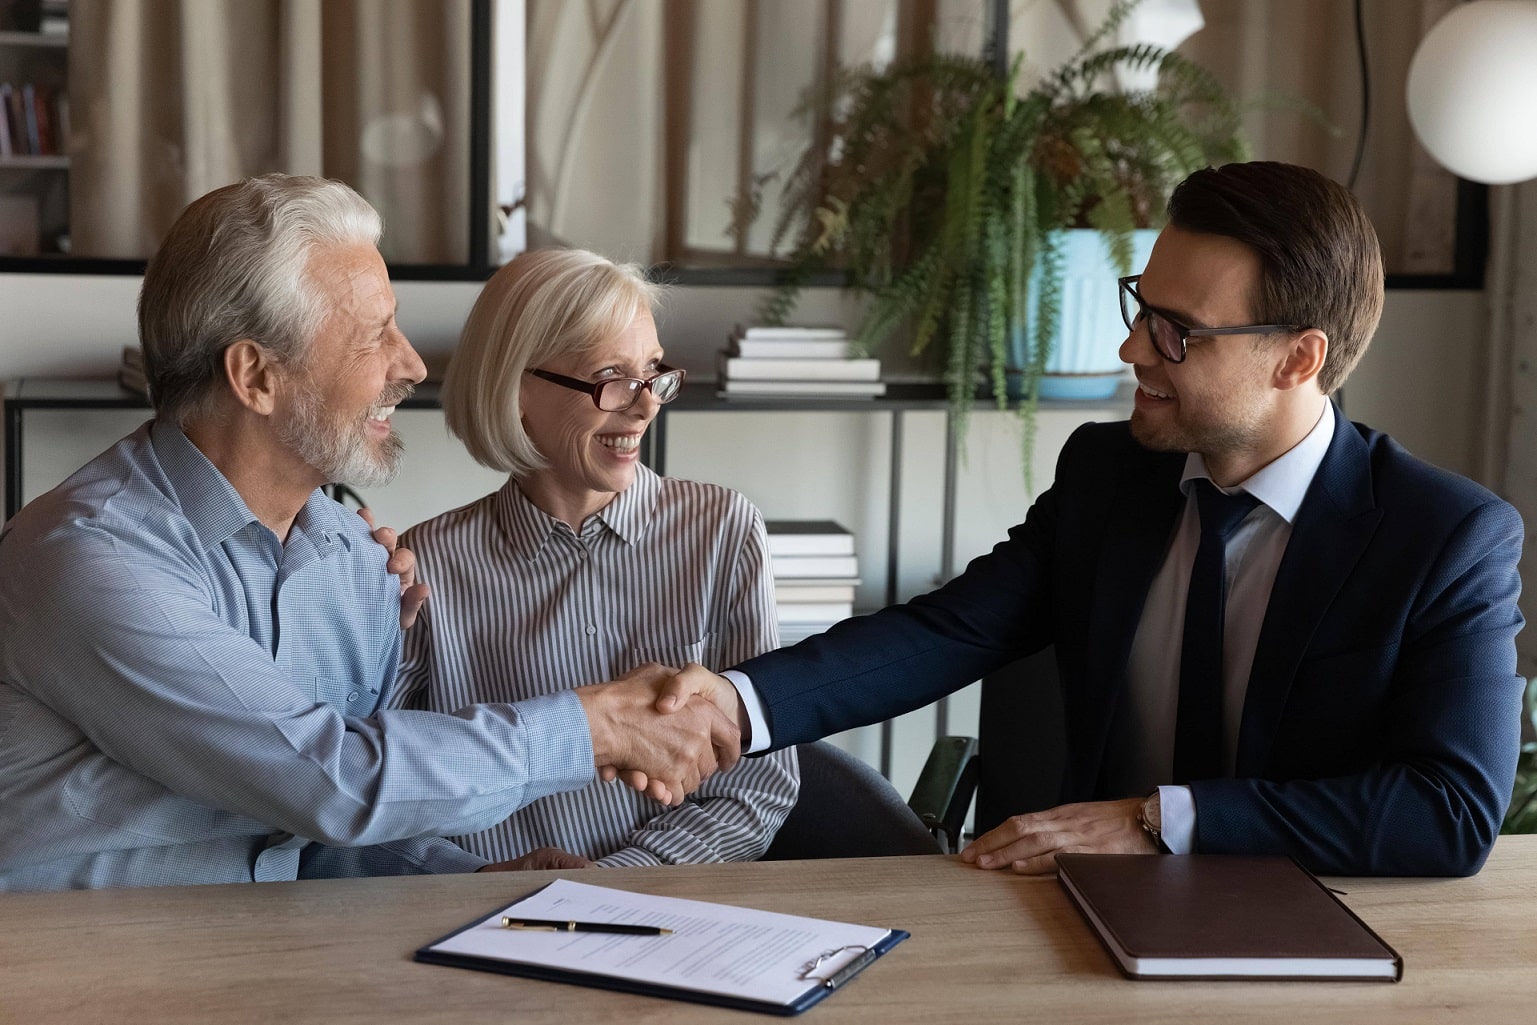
{"x":1381,"y":727}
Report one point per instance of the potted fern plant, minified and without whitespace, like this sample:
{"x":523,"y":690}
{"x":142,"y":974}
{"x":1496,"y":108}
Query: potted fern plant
{"x":945,"y":193}
{"x":1522,"y":814}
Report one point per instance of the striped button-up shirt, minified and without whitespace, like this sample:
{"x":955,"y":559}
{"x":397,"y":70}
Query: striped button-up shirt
{"x":522,"y":606}
{"x":186,"y":698}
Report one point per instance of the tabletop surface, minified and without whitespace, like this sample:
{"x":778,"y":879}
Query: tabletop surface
{"x":985,"y":946}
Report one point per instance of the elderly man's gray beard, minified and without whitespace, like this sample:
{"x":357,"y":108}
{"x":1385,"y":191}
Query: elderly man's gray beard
{"x":337,"y":448}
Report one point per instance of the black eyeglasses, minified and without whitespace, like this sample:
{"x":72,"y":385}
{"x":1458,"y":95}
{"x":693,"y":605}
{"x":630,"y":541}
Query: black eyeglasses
{"x":616,"y":394}
{"x":1169,"y":335}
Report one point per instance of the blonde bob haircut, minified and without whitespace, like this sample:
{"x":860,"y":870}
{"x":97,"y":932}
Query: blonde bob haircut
{"x":544,"y":304}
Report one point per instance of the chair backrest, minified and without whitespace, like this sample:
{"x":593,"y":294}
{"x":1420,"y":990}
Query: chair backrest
{"x":846,"y":810}
{"x":1021,"y":740}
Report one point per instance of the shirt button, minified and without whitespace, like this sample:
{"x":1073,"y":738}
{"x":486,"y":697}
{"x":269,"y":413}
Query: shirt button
{"x":353,"y":696}
{"x":591,"y":630}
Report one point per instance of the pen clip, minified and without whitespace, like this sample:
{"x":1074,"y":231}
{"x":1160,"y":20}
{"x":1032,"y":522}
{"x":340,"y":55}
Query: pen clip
{"x":851,"y":969}
{"x":509,"y":922}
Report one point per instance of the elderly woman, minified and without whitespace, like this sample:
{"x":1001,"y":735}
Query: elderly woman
{"x":586,"y":563}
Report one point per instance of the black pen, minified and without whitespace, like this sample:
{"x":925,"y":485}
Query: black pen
{"x":547,"y":925}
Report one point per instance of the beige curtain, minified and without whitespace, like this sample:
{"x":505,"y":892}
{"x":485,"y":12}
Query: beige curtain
{"x":1270,"y":53}
{"x":1268,"y":50}
{"x":648,"y":118}
{"x":1509,"y":462}
{"x":172,"y":98}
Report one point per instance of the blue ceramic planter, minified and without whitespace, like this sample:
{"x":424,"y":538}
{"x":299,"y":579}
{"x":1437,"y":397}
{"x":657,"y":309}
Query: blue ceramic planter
{"x":1084,"y":363}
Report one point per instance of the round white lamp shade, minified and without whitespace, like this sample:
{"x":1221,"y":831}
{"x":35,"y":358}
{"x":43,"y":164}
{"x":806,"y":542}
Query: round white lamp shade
{"x":1473,"y":91}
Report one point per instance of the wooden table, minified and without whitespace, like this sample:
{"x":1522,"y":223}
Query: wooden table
{"x":986,"y":947}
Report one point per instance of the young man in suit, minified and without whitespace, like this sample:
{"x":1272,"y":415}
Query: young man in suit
{"x":1343,"y":687}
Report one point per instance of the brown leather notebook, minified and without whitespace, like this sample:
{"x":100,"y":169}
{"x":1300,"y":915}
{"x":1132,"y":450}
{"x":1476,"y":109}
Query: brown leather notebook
{"x":1216,"y":916}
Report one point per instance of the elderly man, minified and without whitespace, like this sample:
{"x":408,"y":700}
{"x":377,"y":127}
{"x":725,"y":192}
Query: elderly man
{"x":196,"y":644}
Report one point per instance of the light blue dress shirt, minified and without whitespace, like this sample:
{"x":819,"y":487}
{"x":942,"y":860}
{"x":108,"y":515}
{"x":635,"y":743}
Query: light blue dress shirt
{"x":186,"y":699}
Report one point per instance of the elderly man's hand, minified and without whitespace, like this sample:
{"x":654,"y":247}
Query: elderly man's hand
{"x":666,"y":756}
{"x":540,"y":857}
{"x":1030,"y":843}
{"x":403,"y":565}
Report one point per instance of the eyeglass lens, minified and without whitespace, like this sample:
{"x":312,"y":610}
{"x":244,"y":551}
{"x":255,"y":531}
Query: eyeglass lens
{"x":1165,"y":335}
{"x":615,"y":396}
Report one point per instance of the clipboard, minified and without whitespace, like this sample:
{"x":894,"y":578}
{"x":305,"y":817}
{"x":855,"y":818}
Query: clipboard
{"x":718,"y":954}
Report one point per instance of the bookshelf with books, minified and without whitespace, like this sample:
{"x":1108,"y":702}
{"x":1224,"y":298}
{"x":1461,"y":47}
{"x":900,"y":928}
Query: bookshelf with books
{"x":815,"y":574}
{"x":34,"y":130}
{"x":795,"y":362}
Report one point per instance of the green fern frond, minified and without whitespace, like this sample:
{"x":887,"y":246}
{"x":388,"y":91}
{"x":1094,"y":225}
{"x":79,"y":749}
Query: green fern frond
{"x":939,"y":187}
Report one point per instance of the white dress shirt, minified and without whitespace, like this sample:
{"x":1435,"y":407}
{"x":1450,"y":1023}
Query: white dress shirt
{"x":1253,"y":555}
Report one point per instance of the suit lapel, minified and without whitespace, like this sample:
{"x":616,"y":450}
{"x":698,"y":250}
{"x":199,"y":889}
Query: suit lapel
{"x":1333,"y":526}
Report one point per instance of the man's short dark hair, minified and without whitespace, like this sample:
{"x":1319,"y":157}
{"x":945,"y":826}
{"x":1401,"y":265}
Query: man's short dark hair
{"x":1320,"y":258}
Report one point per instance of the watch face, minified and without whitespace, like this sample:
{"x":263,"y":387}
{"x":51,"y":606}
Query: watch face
{"x":1151,"y":814}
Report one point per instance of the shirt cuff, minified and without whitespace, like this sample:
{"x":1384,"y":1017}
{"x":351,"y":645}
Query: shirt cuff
{"x":1176,"y":813}
{"x":558,"y":744}
{"x":757,"y":722}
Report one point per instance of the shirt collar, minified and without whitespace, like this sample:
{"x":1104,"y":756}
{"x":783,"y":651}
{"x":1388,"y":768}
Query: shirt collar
{"x":1282,"y":483}
{"x":628,"y":516}
{"x":215,"y":509}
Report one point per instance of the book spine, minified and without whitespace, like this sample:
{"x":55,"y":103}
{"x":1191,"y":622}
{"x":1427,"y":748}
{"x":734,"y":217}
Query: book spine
{"x":789,"y":332}
{"x":6,"y":147}
{"x":739,"y":368}
{"x":814,"y":612}
{"x":29,"y":118}
{"x":832,"y":566}
{"x":811,"y":544}
{"x":791,"y":348}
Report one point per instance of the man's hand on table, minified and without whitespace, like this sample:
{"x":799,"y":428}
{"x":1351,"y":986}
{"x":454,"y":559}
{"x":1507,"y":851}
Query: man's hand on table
{"x":1029,"y":843}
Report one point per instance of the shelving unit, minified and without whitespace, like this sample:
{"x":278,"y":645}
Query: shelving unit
{"x":34,"y":186}
{"x":97,"y":394}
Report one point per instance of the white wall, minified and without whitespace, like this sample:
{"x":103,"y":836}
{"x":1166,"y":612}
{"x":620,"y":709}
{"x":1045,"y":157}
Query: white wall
{"x":1421,"y":382}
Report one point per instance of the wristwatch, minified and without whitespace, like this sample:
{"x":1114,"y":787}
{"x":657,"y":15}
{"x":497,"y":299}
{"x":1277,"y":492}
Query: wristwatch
{"x":1150,"y":818}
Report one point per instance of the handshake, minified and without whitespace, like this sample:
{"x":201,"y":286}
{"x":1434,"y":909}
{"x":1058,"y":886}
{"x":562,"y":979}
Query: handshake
{"x":664,"y":731}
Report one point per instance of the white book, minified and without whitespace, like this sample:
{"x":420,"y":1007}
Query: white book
{"x":789,"y":592}
{"x":813,"y":566}
{"x":793,"y":348}
{"x":741,"y":368}
{"x":804,"y":332}
{"x":794,"y":633}
{"x":808,"y":537}
{"x":814,"y":612}
{"x":803,"y":389}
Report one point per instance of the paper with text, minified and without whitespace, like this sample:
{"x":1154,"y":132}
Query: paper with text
{"x":714,"y":948}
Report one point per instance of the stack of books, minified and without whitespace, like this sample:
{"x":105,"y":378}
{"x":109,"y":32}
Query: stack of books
{"x":34,"y":120}
{"x":796,"y":362}
{"x":815,"y":573}
{"x":130,"y":373}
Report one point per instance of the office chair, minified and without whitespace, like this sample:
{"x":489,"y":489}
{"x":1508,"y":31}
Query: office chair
{"x":847,"y":810}
{"x":1015,"y":763}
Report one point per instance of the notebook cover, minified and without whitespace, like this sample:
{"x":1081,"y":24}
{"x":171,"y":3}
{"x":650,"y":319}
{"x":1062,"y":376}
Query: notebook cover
{"x":1183,"y":907}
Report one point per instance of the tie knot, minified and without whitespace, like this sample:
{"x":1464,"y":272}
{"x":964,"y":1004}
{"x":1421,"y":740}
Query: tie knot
{"x":1221,"y":513}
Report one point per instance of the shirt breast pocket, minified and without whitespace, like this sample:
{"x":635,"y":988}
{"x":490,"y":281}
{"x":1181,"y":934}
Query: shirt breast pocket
{"x":677,"y":655}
